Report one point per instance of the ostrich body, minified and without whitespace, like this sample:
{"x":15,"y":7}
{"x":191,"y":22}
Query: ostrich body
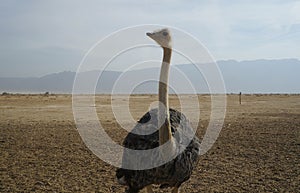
{"x":175,"y":129}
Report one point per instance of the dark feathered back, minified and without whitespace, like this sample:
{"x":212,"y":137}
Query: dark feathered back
{"x":145,"y":136}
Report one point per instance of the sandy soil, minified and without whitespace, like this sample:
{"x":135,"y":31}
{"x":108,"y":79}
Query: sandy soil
{"x":258,"y":149}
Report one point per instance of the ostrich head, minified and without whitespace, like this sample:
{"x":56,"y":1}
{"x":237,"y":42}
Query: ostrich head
{"x":162,"y":37}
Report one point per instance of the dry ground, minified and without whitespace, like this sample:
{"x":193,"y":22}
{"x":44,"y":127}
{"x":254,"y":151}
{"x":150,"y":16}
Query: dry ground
{"x":258,"y":149}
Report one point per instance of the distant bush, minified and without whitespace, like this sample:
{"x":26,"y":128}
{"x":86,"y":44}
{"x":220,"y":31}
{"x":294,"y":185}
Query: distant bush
{"x":46,"y":93}
{"x":5,"y":93}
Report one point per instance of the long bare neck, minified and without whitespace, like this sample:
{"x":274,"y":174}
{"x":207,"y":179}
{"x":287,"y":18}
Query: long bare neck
{"x":163,"y":95}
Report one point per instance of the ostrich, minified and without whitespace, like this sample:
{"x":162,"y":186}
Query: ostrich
{"x":173,"y":132}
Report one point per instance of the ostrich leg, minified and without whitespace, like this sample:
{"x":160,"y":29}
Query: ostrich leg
{"x":175,"y":190}
{"x":149,"y":189}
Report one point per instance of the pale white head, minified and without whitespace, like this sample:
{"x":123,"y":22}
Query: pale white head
{"x":162,"y":37}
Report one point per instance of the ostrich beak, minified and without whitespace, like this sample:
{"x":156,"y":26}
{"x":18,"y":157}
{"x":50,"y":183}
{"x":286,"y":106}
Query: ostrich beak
{"x":149,"y":34}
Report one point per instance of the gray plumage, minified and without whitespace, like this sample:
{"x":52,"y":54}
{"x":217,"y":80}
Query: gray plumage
{"x":171,"y":174}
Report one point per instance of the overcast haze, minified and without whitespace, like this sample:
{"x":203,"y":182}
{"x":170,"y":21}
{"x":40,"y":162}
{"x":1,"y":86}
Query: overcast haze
{"x":42,"y":37}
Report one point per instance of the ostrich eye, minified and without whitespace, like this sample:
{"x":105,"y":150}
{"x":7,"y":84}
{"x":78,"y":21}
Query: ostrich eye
{"x":165,"y":33}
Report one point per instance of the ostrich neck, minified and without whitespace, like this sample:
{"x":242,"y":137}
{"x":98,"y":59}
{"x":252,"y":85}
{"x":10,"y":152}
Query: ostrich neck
{"x":163,"y":109}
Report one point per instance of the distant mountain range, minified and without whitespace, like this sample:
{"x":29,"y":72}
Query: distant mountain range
{"x":253,"y":76}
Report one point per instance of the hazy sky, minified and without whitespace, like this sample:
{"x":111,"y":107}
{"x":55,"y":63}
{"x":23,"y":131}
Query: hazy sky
{"x":42,"y":37}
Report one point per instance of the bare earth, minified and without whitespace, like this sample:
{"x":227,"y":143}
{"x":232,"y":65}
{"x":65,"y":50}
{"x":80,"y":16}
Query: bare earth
{"x":258,"y":149}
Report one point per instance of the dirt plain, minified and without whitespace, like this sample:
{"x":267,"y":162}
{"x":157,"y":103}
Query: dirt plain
{"x":258,"y":149}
